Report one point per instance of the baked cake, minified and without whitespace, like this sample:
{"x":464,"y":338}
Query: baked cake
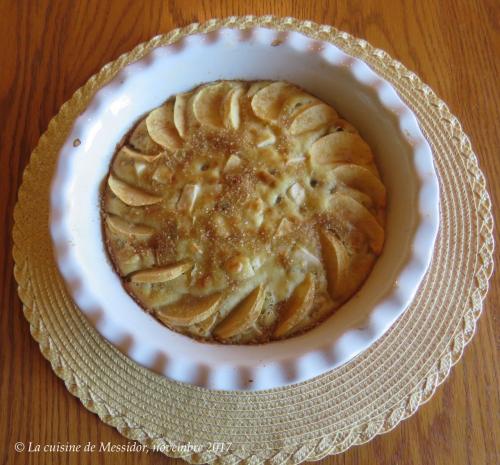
{"x":243,"y":212}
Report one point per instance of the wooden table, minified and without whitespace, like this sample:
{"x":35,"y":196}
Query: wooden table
{"x":50,"y":48}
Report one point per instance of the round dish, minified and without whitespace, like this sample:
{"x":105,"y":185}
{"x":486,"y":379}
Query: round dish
{"x":405,"y":162}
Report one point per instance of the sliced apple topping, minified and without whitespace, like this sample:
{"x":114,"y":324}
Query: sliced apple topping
{"x":188,"y":197}
{"x":180,"y":120}
{"x":131,"y":195}
{"x":268,"y":102}
{"x":231,"y":106}
{"x":346,"y":209}
{"x":161,"y":128}
{"x":340,"y":147}
{"x":136,"y":156}
{"x":163,"y":174}
{"x":359,"y":196}
{"x":189,"y":311}
{"x":337,"y":263}
{"x":255,"y":87}
{"x":141,"y":140}
{"x":244,"y":316}
{"x":311,"y":118}
{"x":361,"y":179}
{"x":208,"y":104}
{"x":297,"y":307}
{"x":120,"y":226}
{"x":296,"y":103}
{"x":161,"y":274}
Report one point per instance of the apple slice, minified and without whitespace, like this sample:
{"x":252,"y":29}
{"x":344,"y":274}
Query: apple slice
{"x":141,"y":140}
{"x":208,"y":104}
{"x":337,"y":263}
{"x":296,"y":103}
{"x":340,"y":147}
{"x":255,"y":87}
{"x":119,"y":226}
{"x":203,"y":328}
{"x":180,"y":121}
{"x":268,"y":102}
{"x":297,"y":307}
{"x":131,"y":195}
{"x":311,"y":118}
{"x":352,"y":212}
{"x":163,"y":174}
{"x":161,"y":274}
{"x":243,"y":316}
{"x":231,"y":106}
{"x":161,"y":127}
{"x":136,"y":156}
{"x":361,"y":179}
{"x":189,"y":311}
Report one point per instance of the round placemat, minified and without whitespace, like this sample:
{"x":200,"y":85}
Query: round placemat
{"x":369,"y":395}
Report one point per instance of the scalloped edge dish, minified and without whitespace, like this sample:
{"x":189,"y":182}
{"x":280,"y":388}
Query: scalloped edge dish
{"x":403,"y":155}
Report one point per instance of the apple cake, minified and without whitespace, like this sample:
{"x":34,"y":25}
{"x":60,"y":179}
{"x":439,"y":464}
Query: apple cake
{"x":243,"y":212}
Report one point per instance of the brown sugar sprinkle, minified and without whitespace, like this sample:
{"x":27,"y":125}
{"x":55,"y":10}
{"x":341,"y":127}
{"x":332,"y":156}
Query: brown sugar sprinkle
{"x":245,"y":200}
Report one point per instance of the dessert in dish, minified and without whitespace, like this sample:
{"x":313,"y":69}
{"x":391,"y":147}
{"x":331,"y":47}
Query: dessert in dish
{"x":243,"y":212}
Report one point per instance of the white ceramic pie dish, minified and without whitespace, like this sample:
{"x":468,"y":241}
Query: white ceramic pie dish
{"x":367,"y":101}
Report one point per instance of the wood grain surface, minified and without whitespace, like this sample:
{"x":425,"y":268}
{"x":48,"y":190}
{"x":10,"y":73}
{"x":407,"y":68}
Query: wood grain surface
{"x":48,"y":49}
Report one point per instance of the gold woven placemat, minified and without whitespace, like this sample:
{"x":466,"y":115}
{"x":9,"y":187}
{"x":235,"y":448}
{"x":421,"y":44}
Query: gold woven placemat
{"x":326,"y":415}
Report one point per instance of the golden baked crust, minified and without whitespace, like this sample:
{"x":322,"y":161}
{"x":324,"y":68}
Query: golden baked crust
{"x":243,"y":212}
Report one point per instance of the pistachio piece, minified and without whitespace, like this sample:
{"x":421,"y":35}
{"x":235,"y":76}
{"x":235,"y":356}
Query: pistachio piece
{"x":180,"y":121}
{"x":361,"y":179}
{"x":232,"y":107}
{"x":208,"y":104}
{"x":337,"y":264}
{"x":268,"y":102}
